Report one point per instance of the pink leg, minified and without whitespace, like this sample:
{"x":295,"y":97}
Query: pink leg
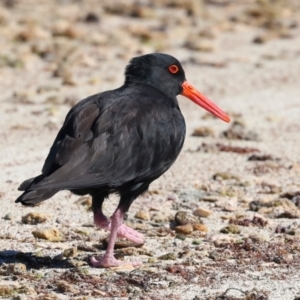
{"x":108,"y":260}
{"x":123,"y":231}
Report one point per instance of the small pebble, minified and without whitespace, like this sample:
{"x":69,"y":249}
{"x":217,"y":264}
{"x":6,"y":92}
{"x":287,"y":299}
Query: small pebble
{"x":77,"y":263}
{"x":200,"y":227}
{"x":160,"y":217}
{"x":261,"y":39}
{"x":213,"y":198}
{"x":34,"y":218}
{"x":183,"y":218}
{"x":71,"y":252}
{"x":180,"y":237}
{"x":220,"y":239}
{"x":196,"y":242}
{"x":238,"y":131}
{"x":152,"y":260}
{"x":203,"y":132}
{"x":84,"y":201}
{"x":8,"y":217}
{"x":200,"y":45}
{"x":201,"y":212}
{"x":215,"y":255}
{"x":18,"y":268}
{"x":230,"y":207}
{"x":142,"y":215}
{"x":169,"y":256}
{"x":65,"y":287}
{"x":231,"y":229}
{"x":7,"y":290}
{"x":224,"y":176}
{"x":50,"y":234}
{"x":184,"y":229}
{"x":91,"y":17}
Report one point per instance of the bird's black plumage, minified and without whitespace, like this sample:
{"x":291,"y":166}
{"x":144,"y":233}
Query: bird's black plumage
{"x":117,"y":140}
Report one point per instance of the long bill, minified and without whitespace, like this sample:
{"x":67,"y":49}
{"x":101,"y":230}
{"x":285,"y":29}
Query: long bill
{"x":190,"y":92}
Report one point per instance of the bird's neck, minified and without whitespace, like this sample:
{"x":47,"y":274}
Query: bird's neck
{"x":168,"y":94}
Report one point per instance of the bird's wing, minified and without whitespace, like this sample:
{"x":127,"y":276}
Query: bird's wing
{"x":75,"y":131}
{"x":130,"y":141}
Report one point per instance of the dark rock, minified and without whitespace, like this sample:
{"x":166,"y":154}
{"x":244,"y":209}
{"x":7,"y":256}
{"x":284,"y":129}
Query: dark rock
{"x":238,"y":131}
{"x":231,"y":229}
{"x":91,"y":17}
{"x":203,"y":132}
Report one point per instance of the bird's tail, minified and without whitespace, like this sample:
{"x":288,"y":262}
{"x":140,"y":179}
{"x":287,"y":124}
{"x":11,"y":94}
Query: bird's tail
{"x":31,"y":196}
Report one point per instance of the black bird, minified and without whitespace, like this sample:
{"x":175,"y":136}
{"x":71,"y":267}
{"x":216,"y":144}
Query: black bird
{"x":119,"y":141}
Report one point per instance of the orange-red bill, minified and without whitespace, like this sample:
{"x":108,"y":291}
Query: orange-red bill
{"x":190,"y":92}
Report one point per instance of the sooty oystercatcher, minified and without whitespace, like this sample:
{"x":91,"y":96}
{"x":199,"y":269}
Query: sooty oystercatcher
{"x":119,"y":141}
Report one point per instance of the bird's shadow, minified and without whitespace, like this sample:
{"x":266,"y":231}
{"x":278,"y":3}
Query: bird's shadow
{"x":32,"y":261}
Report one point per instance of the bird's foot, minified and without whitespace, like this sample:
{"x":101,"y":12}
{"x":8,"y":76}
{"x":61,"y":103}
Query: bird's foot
{"x":123,"y":231}
{"x":130,"y":234}
{"x":110,"y":261}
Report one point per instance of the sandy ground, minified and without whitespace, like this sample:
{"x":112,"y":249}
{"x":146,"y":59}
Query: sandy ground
{"x":257,"y":84}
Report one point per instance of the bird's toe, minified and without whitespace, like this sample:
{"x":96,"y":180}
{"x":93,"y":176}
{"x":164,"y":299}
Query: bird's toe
{"x":130,"y":234}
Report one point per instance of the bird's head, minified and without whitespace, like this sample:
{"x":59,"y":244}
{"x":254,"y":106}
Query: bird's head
{"x":165,"y":73}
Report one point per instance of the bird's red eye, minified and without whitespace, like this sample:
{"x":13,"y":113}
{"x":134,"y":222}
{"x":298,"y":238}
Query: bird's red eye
{"x":173,"y":69}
